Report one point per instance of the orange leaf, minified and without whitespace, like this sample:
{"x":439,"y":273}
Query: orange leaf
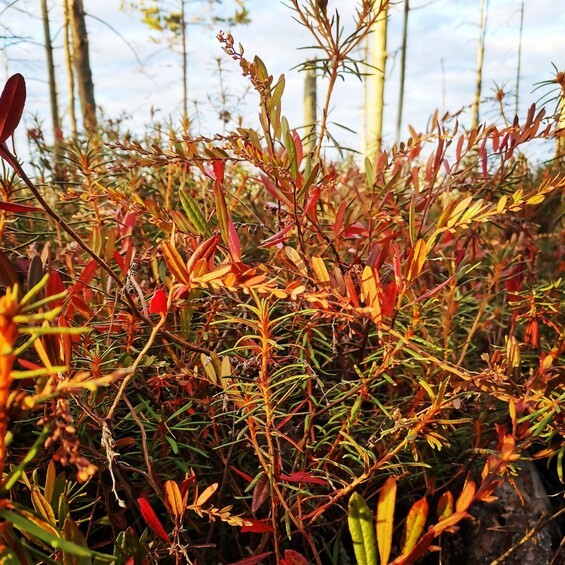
{"x":173,"y":499}
{"x":466,"y":497}
{"x":449,"y":522}
{"x":208,"y":492}
{"x":445,"y":506}
{"x":415,"y":522}
{"x":385,"y":518}
{"x":371,"y":289}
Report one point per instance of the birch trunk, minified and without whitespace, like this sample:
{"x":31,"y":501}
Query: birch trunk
{"x":310,"y":114}
{"x":376,"y":85}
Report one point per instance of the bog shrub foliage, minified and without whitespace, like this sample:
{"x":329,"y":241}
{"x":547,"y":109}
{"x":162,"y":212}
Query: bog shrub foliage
{"x":229,"y":349}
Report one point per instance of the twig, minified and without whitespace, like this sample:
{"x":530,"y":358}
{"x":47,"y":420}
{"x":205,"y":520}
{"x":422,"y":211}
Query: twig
{"x":11,"y":159}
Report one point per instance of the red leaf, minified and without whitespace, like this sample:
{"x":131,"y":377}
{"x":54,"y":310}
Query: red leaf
{"x":257,"y":526}
{"x":233,"y":242}
{"x":303,"y":477}
{"x":279,"y":237}
{"x":253,"y":559}
{"x":18,"y":208}
{"x":355,"y":230}
{"x":29,"y":365}
{"x":261,"y":492}
{"x":151,"y":518}
{"x":219,"y":167}
{"x":298,"y":147}
{"x":247,"y":477}
{"x":12,"y":102}
{"x":158,"y":304}
{"x":119,"y":260}
{"x":54,"y":286}
{"x":310,"y":207}
{"x":292,"y":557}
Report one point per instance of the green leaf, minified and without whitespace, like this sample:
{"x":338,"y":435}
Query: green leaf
{"x":193,"y":212}
{"x":362,"y":530}
{"x":27,"y":526}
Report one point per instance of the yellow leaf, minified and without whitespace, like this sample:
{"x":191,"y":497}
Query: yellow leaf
{"x":225,"y":368}
{"x":209,"y":368}
{"x":41,"y":505}
{"x":216,"y":273}
{"x":458,"y":211}
{"x":415,"y":522}
{"x":294,"y":256}
{"x":417,"y":260}
{"x":536,"y":199}
{"x":320,"y":270}
{"x":501,"y":204}
{"x":173,"y":499}
{"x":385,"y":518}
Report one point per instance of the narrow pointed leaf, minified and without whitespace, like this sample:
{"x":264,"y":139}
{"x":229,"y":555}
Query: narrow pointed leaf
{"x":151,"y":519}
{"x":415,"y":523}
{"x":193,"y":212}
{"x":175,"y":263}
{"x":466,"y":497}
{"x":206,"y":494}
{"x":385,"y":518}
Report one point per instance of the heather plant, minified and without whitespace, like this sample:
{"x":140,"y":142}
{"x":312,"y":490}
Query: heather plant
{"x":244,"y":352}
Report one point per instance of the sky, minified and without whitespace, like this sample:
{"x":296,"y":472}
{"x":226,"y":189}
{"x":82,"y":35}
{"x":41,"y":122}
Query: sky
{"x":139,"y":79}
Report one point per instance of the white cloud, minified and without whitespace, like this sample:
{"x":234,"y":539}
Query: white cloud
{"x":441,"y":60}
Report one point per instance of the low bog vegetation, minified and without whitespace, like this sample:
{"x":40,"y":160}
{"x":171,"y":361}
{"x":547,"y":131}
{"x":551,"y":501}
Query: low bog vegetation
{"x":232,"y":350}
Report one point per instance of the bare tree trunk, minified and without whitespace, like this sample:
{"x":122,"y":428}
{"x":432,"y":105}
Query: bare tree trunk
{"x":310,"y":114}
{"x":519,"y":58}
{"x":560,"y":149}
{"x":55,"y":120}
{"x":376,"y":84}
{"x":480,"y":59}
{"x":81,"y":61}
{"x":70,"y":72}
{"x":402,"y":69}
{"x":184,"y":65}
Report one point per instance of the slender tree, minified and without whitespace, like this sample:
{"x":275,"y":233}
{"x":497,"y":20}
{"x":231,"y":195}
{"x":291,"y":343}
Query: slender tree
{"x":54,"y":103}
{"x":480,"y":60}
{"x":81,"y":60}
{"x":518,"y":67}
{"x":69,"y":65}
{"x":160,"y":17}
{"x":402,"y":69}
{"x":310,"y":113}
{"x":374,"y":109}
{"x":560,"y":149}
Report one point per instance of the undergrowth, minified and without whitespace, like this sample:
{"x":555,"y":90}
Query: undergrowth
{"x":223,"y":349}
